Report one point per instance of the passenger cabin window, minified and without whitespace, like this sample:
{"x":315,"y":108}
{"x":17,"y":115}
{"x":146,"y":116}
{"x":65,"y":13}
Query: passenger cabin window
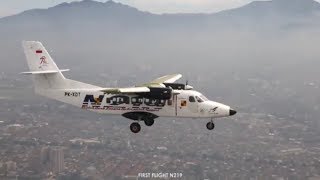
{"x":199,"y":99}
{"x":191,"y":99}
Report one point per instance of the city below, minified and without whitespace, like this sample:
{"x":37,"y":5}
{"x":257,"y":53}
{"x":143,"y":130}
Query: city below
{"x":44,"y":139}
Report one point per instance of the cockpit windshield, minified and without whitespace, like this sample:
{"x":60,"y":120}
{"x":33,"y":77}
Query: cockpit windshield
{"x":204,"y":98}
{"x":201,"y":98}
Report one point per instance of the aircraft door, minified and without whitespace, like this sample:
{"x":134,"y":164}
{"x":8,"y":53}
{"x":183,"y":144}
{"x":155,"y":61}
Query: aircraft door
{"x":182,"y":110}
{"x":193,"y":104}
{"x":185,"y":108}
{"x":172,"y":104}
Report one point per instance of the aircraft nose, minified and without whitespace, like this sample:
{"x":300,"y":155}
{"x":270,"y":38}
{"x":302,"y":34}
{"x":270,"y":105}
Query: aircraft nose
{"x":232,"y":112}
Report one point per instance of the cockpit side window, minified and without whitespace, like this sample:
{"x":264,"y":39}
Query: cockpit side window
{"x":191,"y":99}
{"x":199,"y":99}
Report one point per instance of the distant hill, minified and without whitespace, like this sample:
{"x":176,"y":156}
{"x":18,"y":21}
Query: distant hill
{"x":112,"y":14}
{"x":276,"y":8}
{"x":76,"y":14}
{"x":124,"y":30}
{"x":274,"y":14}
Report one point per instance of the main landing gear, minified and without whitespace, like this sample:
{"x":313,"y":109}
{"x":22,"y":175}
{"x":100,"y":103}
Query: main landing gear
{"x":135,"y":126}
{"x":147,"y":117}
{"x":149,"y":122}
{"x":210,"y":125}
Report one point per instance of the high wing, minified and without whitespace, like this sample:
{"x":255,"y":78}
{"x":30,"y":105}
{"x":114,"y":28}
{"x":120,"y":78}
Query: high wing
{"x":167,"y":79}
{"x":159,"y":82}
{"x":145,"y":88}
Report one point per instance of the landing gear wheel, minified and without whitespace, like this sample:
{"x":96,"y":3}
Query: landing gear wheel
{"x":149,"y":122}
{"x":210,"y":125}
{"x":135,"y":127}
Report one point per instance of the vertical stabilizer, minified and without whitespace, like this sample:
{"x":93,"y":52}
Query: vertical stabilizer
{"x":39,"y":60}
{"x":45,"y":72}
{"x":38,"y":57}
{"x":48,"y":78}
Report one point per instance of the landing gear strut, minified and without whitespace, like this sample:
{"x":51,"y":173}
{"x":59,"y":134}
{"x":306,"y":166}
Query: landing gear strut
{"x":147,"y":117}
{"x":210,"y":125}
{"x":135,"y":127}
{"x":149,"y":122}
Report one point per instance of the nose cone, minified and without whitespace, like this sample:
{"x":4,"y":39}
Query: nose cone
{"x":232,"y":112}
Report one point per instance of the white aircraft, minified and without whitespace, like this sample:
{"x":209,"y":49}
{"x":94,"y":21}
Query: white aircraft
{"x":160,"y":97}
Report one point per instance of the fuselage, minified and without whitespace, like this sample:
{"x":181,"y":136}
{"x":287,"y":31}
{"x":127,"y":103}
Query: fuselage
{"x":183,"y":103}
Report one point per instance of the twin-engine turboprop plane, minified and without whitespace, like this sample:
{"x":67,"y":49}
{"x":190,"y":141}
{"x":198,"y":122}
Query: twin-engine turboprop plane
{"x":161,"y":97}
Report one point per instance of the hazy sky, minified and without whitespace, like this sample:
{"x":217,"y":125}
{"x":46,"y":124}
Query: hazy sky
{"x":9,"y":7}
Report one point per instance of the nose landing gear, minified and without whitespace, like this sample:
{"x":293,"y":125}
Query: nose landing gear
{"x":210,"y":125}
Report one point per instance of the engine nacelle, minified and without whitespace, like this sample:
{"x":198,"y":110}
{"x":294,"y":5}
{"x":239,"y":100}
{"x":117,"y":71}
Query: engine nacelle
{"x":178,"y":86}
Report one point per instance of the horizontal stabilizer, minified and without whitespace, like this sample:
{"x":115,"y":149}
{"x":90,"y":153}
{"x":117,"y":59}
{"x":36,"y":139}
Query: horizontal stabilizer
{"x":45,"y":72}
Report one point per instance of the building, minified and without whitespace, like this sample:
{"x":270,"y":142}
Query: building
{"x":44,"y":155}
{"x":56,"y":159}
{"x":53,"y":157}
{"x":11,"y":168}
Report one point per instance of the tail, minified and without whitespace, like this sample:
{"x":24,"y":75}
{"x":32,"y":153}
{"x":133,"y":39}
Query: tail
{"x":46,"y":74}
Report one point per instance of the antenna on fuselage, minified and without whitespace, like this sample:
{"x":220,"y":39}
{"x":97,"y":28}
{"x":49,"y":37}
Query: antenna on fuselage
{"x":188,"y":87}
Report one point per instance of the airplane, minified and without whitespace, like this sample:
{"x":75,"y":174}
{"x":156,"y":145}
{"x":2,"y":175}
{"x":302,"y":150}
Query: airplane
{"x":161,"y":97}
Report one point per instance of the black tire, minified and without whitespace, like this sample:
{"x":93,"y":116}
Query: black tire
{"x":210,"y":125}
{"x":135,"y":127}
{"x":149,"y":122}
